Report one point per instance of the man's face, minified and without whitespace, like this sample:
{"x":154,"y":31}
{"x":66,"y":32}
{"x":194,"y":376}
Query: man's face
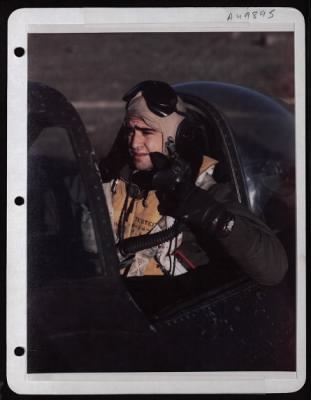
{"x":142,"y":140}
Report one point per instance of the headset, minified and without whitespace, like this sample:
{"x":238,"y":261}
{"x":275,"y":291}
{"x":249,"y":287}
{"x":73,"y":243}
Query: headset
{"x":162,"y":100}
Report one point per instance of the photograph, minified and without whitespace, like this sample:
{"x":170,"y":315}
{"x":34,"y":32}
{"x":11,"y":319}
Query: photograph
{"x":161,"y":202}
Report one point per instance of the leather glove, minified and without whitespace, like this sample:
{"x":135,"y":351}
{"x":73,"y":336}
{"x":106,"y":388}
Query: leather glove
{"x":179,"y":197}
{"x":172,"y":180}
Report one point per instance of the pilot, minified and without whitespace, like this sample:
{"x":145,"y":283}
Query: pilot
{"x":169,"y":215}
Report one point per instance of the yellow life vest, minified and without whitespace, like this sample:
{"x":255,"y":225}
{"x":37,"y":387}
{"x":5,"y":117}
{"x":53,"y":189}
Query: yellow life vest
{"x":144,"y":214}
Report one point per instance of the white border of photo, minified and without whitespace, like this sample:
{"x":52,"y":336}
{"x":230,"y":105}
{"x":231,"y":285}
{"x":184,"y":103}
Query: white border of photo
{"x":83,"y":20}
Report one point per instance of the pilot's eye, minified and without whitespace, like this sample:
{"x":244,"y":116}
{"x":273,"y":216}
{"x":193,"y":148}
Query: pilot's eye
{"x":147,"y":131}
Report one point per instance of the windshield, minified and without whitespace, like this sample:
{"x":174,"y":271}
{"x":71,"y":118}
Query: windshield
{"x":63,"y":186}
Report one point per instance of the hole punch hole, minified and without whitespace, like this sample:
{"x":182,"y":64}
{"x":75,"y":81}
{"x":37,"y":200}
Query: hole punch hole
{"x":19,"y":351}
{"x":19,"y":200}
{"x":19,"y":51}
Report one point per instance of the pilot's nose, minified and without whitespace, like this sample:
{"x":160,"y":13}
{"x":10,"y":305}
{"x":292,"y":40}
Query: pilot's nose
{"x":137,"y":139}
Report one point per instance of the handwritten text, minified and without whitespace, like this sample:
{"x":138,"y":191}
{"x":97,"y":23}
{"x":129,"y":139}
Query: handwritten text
{"x":258,"y":14}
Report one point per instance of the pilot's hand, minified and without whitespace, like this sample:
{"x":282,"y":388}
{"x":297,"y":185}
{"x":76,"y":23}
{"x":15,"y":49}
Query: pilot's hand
{"x":172,"y":181}
{"x":180,"y":198}
{"x":169,"y":172}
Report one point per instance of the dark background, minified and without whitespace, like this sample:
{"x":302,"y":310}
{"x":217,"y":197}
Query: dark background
{"x":95,"y":70}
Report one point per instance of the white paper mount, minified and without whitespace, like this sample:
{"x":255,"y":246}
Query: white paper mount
{"x":25,"y":21}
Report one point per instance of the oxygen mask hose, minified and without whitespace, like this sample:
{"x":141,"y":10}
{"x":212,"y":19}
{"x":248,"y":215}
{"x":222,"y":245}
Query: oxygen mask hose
{"x":137,"y":243}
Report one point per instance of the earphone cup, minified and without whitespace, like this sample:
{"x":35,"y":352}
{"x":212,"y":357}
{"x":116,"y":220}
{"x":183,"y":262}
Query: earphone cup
{"x":184,"y":136}
{"x":190,"y":144}
{"x":189,"y":139}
